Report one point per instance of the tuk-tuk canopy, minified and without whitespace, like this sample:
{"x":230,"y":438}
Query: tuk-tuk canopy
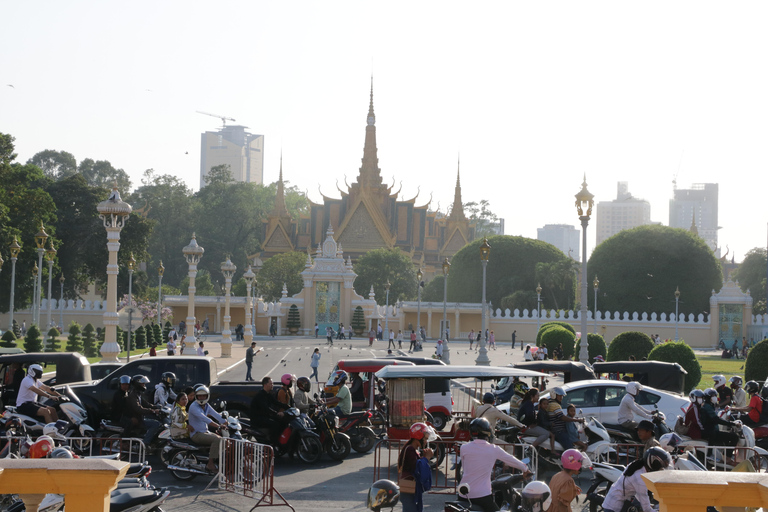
{"x":571,"y":370}
{"x":369,"y":365}
{"x":657,"y":374}
{"x":454,"y":372}
{"x":70,"y":366}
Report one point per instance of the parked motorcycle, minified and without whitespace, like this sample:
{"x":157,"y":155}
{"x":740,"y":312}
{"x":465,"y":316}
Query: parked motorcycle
{"x":68,"y":408}
{"x":335,"y":443}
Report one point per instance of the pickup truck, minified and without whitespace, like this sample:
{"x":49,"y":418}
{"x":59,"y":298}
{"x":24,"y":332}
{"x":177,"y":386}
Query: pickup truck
{"x":190,"y":370}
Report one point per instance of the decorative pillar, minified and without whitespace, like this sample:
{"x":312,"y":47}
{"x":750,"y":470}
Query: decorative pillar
{"x":113,"y":213}
{"x":228,"y":269}
{"x":61,"y":302}
{"x":15,"y":250}
{"x":482,"y":357}
{"x":446,"y":348}
{"x":131,"y":268}
{"x":192,"y":253}
{"x":249,"y":276}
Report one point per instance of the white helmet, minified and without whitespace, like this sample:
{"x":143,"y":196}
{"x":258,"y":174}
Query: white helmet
{"x":719,"y":380}
{"x":633,"y":388}
{"x":536,"y":493}
{"x":35,"y":371}
{"x":56,"y":430}
{"x":670,"y":441}
{"x":202,"y":391}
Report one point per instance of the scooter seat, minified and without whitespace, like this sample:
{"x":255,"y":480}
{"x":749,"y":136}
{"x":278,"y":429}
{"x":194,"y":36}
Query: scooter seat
{"x":125,"y":499}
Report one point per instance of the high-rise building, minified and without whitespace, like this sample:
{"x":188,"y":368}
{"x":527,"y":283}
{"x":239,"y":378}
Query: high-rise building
{"x":563,"y":236}
{"x":696,"y":206}
{"x":232,"y":145}
{"x":624,"y":212}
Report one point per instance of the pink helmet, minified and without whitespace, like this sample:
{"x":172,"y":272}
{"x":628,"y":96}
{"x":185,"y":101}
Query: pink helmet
{"x":572,"y":459}
{"x":287,"y":378}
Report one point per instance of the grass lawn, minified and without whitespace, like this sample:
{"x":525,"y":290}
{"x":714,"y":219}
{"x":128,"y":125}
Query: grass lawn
{"x":714,"y":365}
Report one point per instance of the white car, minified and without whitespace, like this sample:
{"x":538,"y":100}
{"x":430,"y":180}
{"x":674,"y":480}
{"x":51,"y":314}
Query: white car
{"x":601,"y":398}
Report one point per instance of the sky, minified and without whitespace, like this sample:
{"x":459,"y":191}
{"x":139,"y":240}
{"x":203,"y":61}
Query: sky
{"x":531,"y":96}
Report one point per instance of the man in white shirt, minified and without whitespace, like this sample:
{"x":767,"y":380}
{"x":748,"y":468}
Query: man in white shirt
{"x":30,"y":389}
{"x":199,"y":412}
{"x":492,"y":414}
{"x":628,"y":408}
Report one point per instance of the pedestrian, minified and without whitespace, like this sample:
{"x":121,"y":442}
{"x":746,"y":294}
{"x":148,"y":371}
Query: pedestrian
{"x":379,"y":333}
{"x":172,"y":334}
{"x":329,"y":335}
{"x":153,"y":350}
{"x":273,"y":329}
{"x":423,"y":334}
{"x":527,"y":356}
{"x":400,"y":338}
{"x":249,"y":360}
{"x":205,"y":326}
{"x":514,"y":335}
{"x":439,"y":350}
{"x":181,"y":345}
{"x":171,"y":346}
{"x":371,"y":335}
{"x":341,"y":332}
{"x":201,"y":350}
{"x":478,"y":341}
{"x":317,"y":329}
{"x":315,"y":363}
{"x":447,"y":334}
{"x":471,"y":338}
{"x":492,"y":340}
{"x":413,"y":342}
{"x":349,"y":332}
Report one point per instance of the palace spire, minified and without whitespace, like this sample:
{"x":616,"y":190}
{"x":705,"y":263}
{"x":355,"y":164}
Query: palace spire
{"x":370,"y":174}
{"x":280,"y":210}
{"x":457,"y":210}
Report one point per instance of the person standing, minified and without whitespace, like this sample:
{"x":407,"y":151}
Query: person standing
{"x":391,"y":338}
{"x":439,"y":349}
{"x":413,"y":342}
{"x":514,"y":335}
{"x":349,"y":332}
{"x":400,"y":338}
{"x":249,"y":360}
{"x":315,"y":363}
{"x":317,"y":329}
{"x":201,"y":350}
{"x":371,"y":335}
{"x":379,"y":333}
{"x":447,"y":334}
{"x":492,"y":340}
{"x":471,"y":338}
{"x":171,"y":346}
{"x":329,"y":336}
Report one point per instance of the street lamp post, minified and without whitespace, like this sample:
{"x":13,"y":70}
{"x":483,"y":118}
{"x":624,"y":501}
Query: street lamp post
{"x":249,"y":276}
{"x":228,"y":269}
{"x":61,"y":302}
{"x":482,"y":358}
{"x":386,"y":311}
{"x":677,"y":303}
{"x":15,"y":250}
{"x":419,"y":276}
{"x":538,"y":311}
{"x":257,"y":264}
{"x":596,"y":285}
{"x":584,"y":203}
{"x":40,"y":239}
{"x":192,"y":253}
{"x":50,"y":255}
{"x":113,"y":213}
{"x":446,"y":348}
{"x":35,"y":271}
{"x":131,"y":267}
{"x":160,"y":272}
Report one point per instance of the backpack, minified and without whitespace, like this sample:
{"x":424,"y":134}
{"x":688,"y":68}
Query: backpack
{"x":423,"y":474}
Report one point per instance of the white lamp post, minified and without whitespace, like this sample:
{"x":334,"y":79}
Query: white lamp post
{"x":419,"y":276}
{"x":596,"y":285}
{"x":40,"y":239}
{"x":538,"y":311}
{"x":482,"y":358}
{"x":113,"y":213}
{"x":192,"y":253}
{"x":249,"y":276}
{"x":446,"y":348}
{"x":677,"y":316}
{"x":61,"y":303}
{"x":386,"y":312}
{"x":160,"y":272}
{"x":131,"y":267}
{"x":584,"y":203}
{"x":50,"y":255}
{"x":15,"y":250}
{"x":228,"y":269}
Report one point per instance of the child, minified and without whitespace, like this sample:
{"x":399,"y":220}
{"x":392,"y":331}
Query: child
{"x":562,"y":486}
{"x":542,"y":420}
{"x":573,"y":431}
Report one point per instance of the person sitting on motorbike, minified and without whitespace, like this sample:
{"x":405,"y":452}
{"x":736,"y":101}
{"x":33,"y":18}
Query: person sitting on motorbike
{"x":693,"y":415}
{"x":529,"y":416}
{"x":30,"y":389}
{"x":564,"y":490}
{"x":137,"y":408}
{"x":266,"y":410}
{"x":492,"y":414}
{"x":200,"y":413}
{"x":356,"y":387}
{"x":343,"y":398}
{"x":739,"y":395}
{"x":284,"y":394}
{"x":179,"y":417}
{"x":711,"y":420}
{"x":416,"y":448}
{"x":755,"y":407}
{"x":478,"y":459}
{"x":120,"y":397}
{"x":646,"y":433}
{"x":558,"y":419}
{"x":724,"y":393}
{"x":629,"y":407}
{"x":164,"y":389}
{"x":631,"y":485}
{"x":302,"y":398}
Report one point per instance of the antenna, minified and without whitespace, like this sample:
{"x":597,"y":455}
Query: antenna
{"x":679,"y":164}
{"x":223,"y":118}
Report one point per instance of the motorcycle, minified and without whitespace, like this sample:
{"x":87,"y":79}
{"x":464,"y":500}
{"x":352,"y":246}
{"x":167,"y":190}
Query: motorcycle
{"x":335,"y":443}
{"x":296,"y":438}
{"x":621,"y":435}
{"x":68,"y":407}
{"x":504,"y":494}
{"x":358,"y":427}
{"x":111,"y":430}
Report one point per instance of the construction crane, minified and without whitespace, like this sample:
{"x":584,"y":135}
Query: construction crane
{"x":223,"y":118}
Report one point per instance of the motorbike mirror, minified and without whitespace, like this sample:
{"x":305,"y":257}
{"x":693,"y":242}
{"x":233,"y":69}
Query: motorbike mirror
{"x":526,"y":461}
{"x":464,"y":489}
{"x":316,"y":396}
{"x":581,"y":412}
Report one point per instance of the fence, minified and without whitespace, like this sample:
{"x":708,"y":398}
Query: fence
{"x":129,"y":449}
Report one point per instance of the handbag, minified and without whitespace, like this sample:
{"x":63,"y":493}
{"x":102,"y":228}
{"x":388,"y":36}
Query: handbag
{"x":406,"y":486}
{"x":680,"y":427}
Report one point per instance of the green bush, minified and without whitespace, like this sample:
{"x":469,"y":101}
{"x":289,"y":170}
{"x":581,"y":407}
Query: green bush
{"x":595,"y":346}
{"x":358,"y":320}
{"x":33,"y":342}
{"x":294,"y":319}
{"x":553,"y":337}
{"x":547,"y":325}
{"x":679,"y":352}
{"x":521,"y":299}
{"x":16,"y":329}
{"x":120,"y":338}
{"x":89,"y":341}
{"x":74,"y":341}
{"x":141,"y":337}
{"x":756,"y":366}
{"x":630,"y":343}
{"x":157,"y":335}
{"x":8,"y":339}
{"x":52,"y":343}
{"x":166,"y":329}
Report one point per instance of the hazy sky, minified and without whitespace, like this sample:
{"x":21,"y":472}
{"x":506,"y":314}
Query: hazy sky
{"x":531,"y":94}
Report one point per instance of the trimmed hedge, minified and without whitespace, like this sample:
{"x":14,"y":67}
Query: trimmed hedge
{"x":679,"y":352}
{"x":756,"y":367}
{"x":33,"y":342}
{"x":595,"y":347}
{"x":547,"y":325}
{"x":74,"y":341}
{"x":553,"y":337}
{"x":89,"y":341}
{"x":9,"y":339}
{"x":52,"y":344}
{"x":630,"y":343}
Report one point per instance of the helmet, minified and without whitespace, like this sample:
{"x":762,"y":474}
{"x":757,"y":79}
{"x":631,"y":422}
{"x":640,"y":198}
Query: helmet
{"x":339,"y":377}
{"x":599,"y":358}
{"x":646,"y":425}
{"x":480,"y":428}
{"x":752,"y":387}
{"x":168,"y":378}
{"x":41,"y":448}
{"x":383,"y":493}
{"x":140,"y":382}
{"x":557,"y":391}
{"x":697,"y":393}
{"x":536,"y":493}
{"x":571,"y":459}
{"x":125,"y":379}
{"x":712,"y":394}
{"x":15,"y":427}
{"x":670,"y":441}
{"x":634,"y":388}
{"x":61,"y":453}
{"x":489,"y":398}
{"x":719,"y":380}
{"x":656,"y":459}
{"x":204,"y":392}
{"x":35,"y":371}
{"x":304,"y":384}
{"x":735,"y":381}
{"x":421,"y":431}
{"x":287,"y":378}
{"x":24,"y":447}
{"x":56,"y":430}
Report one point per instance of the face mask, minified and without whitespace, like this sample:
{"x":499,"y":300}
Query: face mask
{"x":699,"y":401}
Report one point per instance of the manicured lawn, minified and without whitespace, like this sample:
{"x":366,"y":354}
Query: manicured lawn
{"x":714,"y":365}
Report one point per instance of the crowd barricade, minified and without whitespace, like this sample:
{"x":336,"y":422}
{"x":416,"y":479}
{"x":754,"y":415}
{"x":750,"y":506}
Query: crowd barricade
{"x":444,"y":465}
{"x":724,"y":458}
{"x":128,"y":449}
{"x":620,"y":453}
{"x":248,"y":469}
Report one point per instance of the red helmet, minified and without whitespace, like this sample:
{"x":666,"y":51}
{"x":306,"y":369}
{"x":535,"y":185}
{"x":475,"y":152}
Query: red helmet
{"x":421,"y":431}
{"x":41,"y":448}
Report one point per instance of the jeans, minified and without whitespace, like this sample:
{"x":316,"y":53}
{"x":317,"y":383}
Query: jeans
{"x":487,"y":503}
{"x":409,"y":502}
{"x":249,"y":366}
{"x":564,"y":439}
{"x":314,"y":373}
{"x":153,"y":428}
{"x":541,"y":434}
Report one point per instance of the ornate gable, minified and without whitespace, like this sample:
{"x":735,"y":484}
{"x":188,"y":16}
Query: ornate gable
{"x":455,"y":242}
{"x":361,"y":232}
{"x":278,"y":240}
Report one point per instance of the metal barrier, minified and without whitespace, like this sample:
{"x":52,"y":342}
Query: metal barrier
{"x":247,"y":469}
{"x":129,"y":449}
{"x":620,"y":453}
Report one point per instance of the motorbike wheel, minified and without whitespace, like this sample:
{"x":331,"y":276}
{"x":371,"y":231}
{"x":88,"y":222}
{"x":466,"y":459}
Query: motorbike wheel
{"x":83,"y":447}
{"x":439,"y":420}
{"x":379,"y":424}
{"x":339,"y":447}
{"x":309,"y":449}
{"x":182,"y":458}
{"x":439,"y":450}
{"x":364,"y":441}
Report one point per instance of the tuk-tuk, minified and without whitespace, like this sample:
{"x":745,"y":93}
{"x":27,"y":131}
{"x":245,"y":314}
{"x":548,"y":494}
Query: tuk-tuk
{"x":507,"y":391}
{"x":366,"y":368}
{"x":657,"y":374}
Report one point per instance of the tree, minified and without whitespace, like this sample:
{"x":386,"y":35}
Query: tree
{"x":102,"y":174}
{"x":433,"y":291}
{"x":521,"y":299}
{"x":294,"y":319}
{"x":679,"y":352}
{"x":219,"y":175}
{"x":487,"y":222}
{"x":358,"y":320}
{"x":166,"y":329}
{"x":751,"y":275}
{"x":52,"y":343}
{"x":74,"y":341}
{"x":630,"y":343}
{"x":555,"y":336}
{"x":16,"y":329}
{"x":554,"y":323}
{"x":556,"y":276}
{"x":55,"y":164}
{"x":378,"y":266}
{"x":120,"y":339}
{"x":640,"y":268}
{"x":8,"y":340}
{"x":595,"y":346}
{"x":203,"y":284}
{"x":141,"y":337}
{"x":511,"y":267}
{"x":157,"y":334}
{"x":33,"y":342}
{"x":757,"y":362}
{"x":282,"y":268}
{"x":89,"y":341}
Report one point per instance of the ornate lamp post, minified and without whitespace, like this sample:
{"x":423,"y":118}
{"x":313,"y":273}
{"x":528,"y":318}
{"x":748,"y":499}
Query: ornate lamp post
{"x":419,"y":276}
{"x":50,"y":255}
{"x":584,"y":203}
{"x":257,"y":264}
{"x":446,"y":349}
{"x":15,"y":250}
{"x":228,"y":269}
{"x":40,"y":238}
{"x":249,"y":276}
{"x":61,"y":302}
{"x":596,"y":285}
{"x":677,"y":303}
{"x":386,"y":311}
{"x":482,"y":358}
{"x":131,"y":267}
{"x":113,"y":213}
{"x":160,"y":272}
{"x":192,"y":253}
{"x":35,"y":271}
{"x":538,"y":311}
